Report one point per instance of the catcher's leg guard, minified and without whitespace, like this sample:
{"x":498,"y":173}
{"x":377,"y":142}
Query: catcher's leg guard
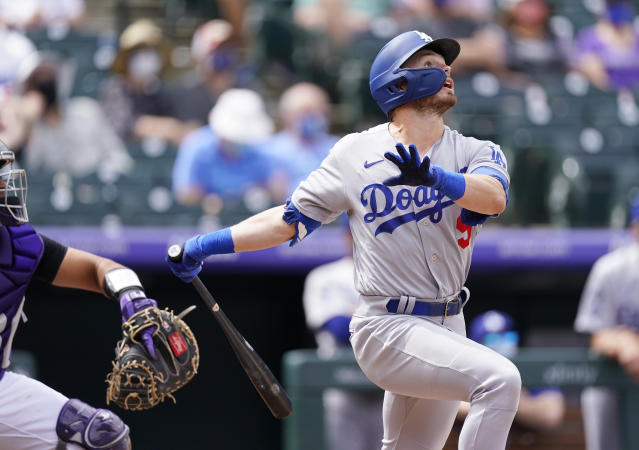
{"x":92,"y":428}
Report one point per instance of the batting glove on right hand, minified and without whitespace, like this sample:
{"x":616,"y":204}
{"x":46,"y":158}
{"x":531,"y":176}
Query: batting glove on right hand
{"x":413,"y":171}
{"x":191,"y":264}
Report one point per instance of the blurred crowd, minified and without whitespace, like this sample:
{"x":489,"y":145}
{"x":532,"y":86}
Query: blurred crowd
{"x":226,"y":118}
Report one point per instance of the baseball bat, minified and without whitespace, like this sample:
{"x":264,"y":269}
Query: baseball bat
{"x":258,"y":372}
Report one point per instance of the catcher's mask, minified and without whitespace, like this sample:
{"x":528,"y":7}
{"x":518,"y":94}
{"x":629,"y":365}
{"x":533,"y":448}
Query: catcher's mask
{"x":13,"y":190}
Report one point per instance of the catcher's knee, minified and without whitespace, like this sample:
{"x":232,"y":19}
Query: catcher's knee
{"x":92,"y":428}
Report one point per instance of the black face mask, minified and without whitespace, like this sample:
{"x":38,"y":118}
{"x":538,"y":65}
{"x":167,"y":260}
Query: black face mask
{"x":49,"y":90}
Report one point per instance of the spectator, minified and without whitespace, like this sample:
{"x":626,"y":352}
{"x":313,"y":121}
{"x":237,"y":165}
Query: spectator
{"x":608,"y":51}
{"x":221,"y":158}
{"x":135,"y":99}
{"x":217,"y":67}
{"x":304,"y":141}
{"x":340,"y":21}
{"x":529,"y":45}
{"x":609,"y":311}
{"x":539,"y":409}
{"x":18,"y":56}
{"x":353,"y":420}
{"x":34,"y":14}
{"x":477,"y":10}
{"x":70,"y":135}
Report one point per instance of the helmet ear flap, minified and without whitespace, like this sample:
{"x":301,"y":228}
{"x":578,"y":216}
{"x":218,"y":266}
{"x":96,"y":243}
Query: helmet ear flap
{"x":408,"y":85}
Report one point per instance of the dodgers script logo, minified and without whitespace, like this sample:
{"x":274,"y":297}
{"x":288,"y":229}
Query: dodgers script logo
{"x":380,"y":201}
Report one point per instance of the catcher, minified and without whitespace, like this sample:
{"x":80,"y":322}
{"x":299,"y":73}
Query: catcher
{"x":157,"y":355}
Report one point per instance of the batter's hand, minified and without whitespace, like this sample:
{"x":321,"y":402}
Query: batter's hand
{"x":413,"y":171}
{"x":191,"y":263}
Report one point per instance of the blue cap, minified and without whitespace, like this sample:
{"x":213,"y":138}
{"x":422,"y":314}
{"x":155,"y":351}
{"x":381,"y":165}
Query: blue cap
{"x":495,"y":329}
{"x":490,"y":322}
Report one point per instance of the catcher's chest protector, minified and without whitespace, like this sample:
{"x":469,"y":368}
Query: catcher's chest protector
{"x":20,"y":252}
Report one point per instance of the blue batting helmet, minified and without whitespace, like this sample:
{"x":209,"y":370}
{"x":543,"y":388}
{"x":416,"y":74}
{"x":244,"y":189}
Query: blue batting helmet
{"x":495,"y":329}
{"x":386,"y":71}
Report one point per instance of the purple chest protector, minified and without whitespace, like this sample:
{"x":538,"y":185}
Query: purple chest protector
{"x":20,"y":252}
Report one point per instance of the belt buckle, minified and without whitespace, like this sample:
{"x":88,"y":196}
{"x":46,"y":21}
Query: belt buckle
{"x":456,"y":299}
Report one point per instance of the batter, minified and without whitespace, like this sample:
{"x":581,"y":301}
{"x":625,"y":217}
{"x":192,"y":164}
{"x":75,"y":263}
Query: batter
{"x":416,"y":193}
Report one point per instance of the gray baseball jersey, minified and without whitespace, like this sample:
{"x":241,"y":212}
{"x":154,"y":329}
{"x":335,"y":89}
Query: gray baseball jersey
{"x":407,"y":240}
{"x":607,"y":299}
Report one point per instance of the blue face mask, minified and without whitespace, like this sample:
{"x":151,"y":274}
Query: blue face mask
{"x":312,"y":125}
{"x":223,"y":59}
{"x":619,"y":14}
{"x":235,"y":148}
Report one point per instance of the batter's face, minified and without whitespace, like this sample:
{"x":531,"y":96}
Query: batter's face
{"x":445,"y":98}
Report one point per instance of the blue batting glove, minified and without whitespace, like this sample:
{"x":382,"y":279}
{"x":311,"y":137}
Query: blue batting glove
{"x":414,"y":172}
{"x":191,"y":264}
{"x":133,"y":301}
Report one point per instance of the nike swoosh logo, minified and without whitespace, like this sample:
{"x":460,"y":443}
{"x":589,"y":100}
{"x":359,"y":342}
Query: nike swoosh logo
{"x":367,"y":164}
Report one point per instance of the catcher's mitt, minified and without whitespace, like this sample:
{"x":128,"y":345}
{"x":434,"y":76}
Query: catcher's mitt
{"x":138,"y":381}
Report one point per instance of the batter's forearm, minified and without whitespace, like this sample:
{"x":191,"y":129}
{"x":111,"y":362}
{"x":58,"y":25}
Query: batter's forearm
{"x":484,"y":194}
{"x":264,"y":230}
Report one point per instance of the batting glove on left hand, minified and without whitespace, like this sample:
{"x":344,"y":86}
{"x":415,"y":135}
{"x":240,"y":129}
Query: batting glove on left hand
{"x":413,"y":171}
{"x":191,"y":264}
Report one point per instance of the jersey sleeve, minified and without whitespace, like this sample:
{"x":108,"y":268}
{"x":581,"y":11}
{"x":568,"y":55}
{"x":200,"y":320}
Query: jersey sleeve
{"x":489,"y":159}
{"x":596,"y":307}
{"x":51,"y":260}
{"x":322,"y":195}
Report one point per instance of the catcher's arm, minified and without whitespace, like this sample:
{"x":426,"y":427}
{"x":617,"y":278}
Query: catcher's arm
{"x":84,"y":270}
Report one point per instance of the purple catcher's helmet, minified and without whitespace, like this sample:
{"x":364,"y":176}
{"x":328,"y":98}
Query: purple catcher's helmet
{"x":386,"y":72}
{"x":495,"y":329}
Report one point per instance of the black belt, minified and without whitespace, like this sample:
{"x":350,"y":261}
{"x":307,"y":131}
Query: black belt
{"x":450,"y":307}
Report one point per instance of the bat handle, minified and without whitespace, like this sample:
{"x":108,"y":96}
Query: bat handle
{"x":175,"y":253}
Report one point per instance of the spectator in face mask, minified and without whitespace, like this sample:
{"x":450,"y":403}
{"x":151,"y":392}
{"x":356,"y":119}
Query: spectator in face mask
{"x":219,"y":163}
{"x":135,"y":99}
{"x":217,"y":66}
{"x":608,"y":51}
{"x":304,"y":140}
{"x":69,"y":134}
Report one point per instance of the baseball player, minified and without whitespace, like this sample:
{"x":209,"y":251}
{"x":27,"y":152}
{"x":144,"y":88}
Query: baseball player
{"x":416,"y":193}
{"x":609,"y":311}
{"x":33,"y":415}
